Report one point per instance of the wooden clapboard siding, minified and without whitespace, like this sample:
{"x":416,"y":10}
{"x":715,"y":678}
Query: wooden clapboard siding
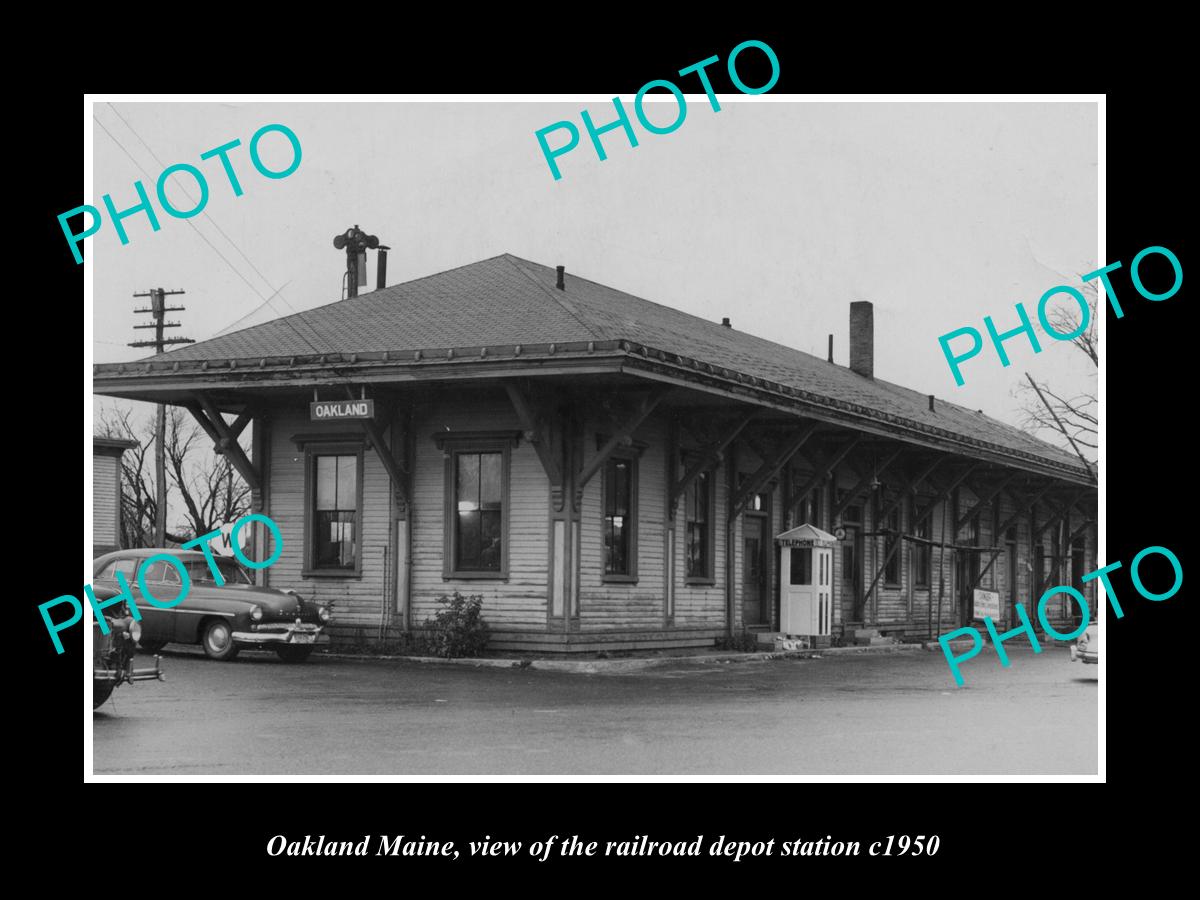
{"x":358,"y":602}
{"x":605,"y":605}
{"x":520,"y":600}
{"x":105,"y":474}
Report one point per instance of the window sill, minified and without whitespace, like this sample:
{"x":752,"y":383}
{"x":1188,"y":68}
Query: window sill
{"x":474,"y":576}
{"x":331,"y":573}
{"x":619,"y":579}
{"x":704,"y":582}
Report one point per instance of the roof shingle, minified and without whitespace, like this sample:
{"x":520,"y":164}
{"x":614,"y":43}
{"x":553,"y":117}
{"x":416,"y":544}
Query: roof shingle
{"x":508,"y":300}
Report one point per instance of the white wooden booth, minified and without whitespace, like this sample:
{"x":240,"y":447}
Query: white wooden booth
{"x":805,"y":580}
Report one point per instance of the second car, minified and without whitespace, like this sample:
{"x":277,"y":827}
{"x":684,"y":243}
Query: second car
{"x":222,"y":619}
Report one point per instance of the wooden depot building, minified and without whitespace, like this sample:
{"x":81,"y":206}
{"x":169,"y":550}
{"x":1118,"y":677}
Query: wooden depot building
{"x":610,"y":473}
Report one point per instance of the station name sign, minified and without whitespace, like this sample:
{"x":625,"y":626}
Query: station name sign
{"x":341,"y":409}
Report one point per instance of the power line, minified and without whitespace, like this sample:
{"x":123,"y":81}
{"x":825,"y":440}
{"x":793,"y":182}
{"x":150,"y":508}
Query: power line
{"x":187,"y":194}
{"x":286,"y":319}
{"x":249,"y":314}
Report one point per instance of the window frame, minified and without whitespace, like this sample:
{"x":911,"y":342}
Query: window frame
{"x":628,"y":455}
{"x":313,"y":450}
{"x":897,"y":538}
{"x":708,"y":578}
{"x":452,"y":447}
{"x":921,"y":551}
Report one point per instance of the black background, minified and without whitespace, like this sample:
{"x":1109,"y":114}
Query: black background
{"x":1044,"y":831}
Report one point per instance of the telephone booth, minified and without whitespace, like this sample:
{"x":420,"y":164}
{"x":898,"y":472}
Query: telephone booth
{"x":806,"y":580}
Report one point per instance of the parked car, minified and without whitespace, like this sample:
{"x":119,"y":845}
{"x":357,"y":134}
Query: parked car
{"x":1087,"y":648}
{"x":222,"y":619}
{"x":112,"y":653}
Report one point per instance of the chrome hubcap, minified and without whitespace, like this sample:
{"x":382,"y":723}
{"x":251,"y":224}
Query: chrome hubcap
{"x":218,"y":638}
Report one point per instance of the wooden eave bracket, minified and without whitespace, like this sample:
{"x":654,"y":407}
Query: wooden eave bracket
{"x":623,"y":435}
{"x":224,"y":440}
{"x":712,"y":456}
{"x":769,"y":469}
{"x":398,"y":476}
{"x":865,"y":482}
{"x":538,"y":434}
{"x":821,"y":474}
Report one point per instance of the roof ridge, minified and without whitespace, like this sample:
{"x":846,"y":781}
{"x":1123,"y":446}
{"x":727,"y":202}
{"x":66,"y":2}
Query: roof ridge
{"x":561,"y":301}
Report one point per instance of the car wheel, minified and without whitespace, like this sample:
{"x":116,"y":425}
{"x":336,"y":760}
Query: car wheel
{"x":290,"y":653}
{"x":217,"y":640}
{"x":152,"y":646}
{"x":101,"y":691}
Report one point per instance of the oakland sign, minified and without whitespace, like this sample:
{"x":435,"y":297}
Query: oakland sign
{"x":342,"y":409}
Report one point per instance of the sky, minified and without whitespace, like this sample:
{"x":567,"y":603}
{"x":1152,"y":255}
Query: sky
{"x":773,"y":212}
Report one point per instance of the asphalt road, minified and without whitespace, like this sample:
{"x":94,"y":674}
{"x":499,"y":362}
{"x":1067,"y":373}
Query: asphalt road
{"x":878,"y":714}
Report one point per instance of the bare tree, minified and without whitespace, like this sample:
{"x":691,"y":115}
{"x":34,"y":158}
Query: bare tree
{"x":1078,"y":413}
{"x":211,"y":490}
{"x":139,"y":502}
{"x":208,"y":487}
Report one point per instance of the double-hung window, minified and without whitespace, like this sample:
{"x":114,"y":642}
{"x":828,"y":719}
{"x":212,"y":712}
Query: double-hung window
{"x":698,"y":537}
{"x":619,"y":518}
{"x":922,"y":552}
{"x":891,"y":544}
{"x":334,"y":494}
{"x":477,"y":498}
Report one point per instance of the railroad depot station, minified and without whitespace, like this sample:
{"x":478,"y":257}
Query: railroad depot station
{"x":610,"y":474}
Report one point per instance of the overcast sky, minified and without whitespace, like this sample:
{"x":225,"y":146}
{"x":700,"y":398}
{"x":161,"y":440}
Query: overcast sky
{"x":776,"y":214}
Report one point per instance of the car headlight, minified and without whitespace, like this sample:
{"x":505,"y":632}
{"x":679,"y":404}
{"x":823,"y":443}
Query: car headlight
{"x":323,"y":612}
{"x":256,"y":614}
{"x":135,"y":631}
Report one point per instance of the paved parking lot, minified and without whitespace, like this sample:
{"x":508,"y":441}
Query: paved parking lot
{"x":876,"y":714}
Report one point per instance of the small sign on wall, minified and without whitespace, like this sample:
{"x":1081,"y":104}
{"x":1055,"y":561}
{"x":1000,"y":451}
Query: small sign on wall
{"x":987,"y":603}
{"x":341,"y":409}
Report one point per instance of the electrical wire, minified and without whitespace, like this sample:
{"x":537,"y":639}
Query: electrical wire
{"x":204,"y":213}
{"x":286,"y":319}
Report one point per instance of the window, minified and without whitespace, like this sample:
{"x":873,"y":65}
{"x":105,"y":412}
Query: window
{"x":698,"y":519}
{"x":125,"y":566}
{"x":801,"y":566}
{"x":478,"y":511}
{"x":200,"y":573}
{"x":922,"y":552}
{"x":852,"y":514}
{"x":891,"y":572}
{"x":335,"y":512}
{"x":810,"y":509}
{"x":619,"y":524}
{"x":1010,"y":547}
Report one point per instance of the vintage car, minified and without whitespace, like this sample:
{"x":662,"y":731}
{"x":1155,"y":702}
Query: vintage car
{"x":112,"y":653}
{"x":222,"y":619}
{"x":1087,"y":648}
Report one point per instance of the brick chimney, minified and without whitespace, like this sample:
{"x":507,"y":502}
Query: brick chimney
{"x":862,"y":338}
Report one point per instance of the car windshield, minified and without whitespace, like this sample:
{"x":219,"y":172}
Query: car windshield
{"x":233,"y":573}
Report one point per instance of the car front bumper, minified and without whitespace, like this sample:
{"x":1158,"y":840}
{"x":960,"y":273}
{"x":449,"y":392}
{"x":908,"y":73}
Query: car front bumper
{"x":1084,"y":656}
{"x":120,"y":676}
{"x":283,"y":633}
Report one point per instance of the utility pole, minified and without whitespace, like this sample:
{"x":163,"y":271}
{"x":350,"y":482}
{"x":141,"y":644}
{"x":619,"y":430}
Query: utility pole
{"x":157,"y":309}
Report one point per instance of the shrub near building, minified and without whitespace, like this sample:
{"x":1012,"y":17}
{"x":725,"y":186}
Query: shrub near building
{"x":457,"y":629}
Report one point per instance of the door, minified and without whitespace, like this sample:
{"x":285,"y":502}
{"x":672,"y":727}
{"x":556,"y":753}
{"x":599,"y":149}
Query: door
{"x":966,"y":576}
{"x":852,"y":575}
{"x":754,"y":570}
